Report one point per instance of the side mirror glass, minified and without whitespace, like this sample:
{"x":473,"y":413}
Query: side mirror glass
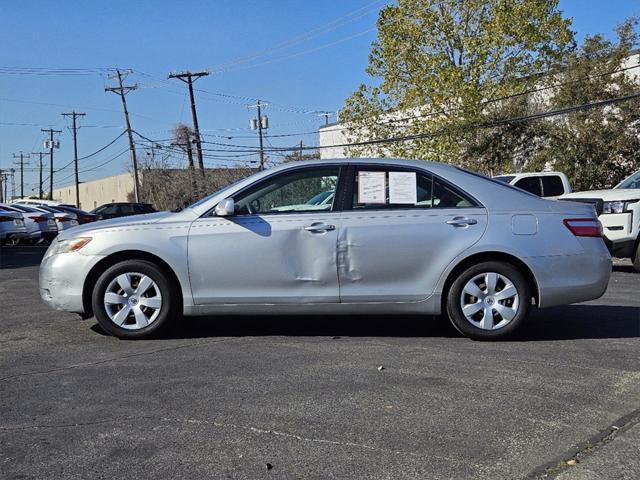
{"x":225,"y":208}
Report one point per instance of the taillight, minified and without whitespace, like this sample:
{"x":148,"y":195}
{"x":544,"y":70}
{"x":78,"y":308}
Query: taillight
{"x":87,"y":218}
{"x":38,"y":219}
{"x":584,"y":227}
{"x":61,"y":219}
{"x":6,"y":219}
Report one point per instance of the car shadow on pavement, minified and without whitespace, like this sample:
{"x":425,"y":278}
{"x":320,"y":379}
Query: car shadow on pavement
{"x":583,"y":321}
{"x":18,"y":257}
{"x":572,"y":322}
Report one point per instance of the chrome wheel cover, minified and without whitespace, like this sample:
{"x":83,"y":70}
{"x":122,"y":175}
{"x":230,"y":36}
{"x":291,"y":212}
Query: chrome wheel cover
{"x":489,"y":301}
{"x":132,"y":301}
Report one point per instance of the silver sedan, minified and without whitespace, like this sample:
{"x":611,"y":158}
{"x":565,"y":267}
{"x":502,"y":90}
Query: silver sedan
{"x":397,"y":236}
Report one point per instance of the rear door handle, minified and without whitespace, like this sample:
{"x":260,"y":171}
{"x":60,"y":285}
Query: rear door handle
{"x":462,"y":221}
{"x":319,"y":227}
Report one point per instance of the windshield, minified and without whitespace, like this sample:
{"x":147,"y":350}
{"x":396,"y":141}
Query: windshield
{"x":632,"y":182}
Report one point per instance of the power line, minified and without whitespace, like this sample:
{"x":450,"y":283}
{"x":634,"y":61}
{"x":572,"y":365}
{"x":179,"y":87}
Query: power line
{"x":308,"y":35}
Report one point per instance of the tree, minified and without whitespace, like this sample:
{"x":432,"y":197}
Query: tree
{"x":439,"y":64}
{"x":597,"y":147}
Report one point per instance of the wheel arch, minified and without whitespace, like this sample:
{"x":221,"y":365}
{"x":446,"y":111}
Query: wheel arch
{"x":494,"y":256}
{"x":110,"y":260}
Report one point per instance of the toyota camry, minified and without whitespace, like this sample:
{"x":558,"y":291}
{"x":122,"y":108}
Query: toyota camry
{"x":355,"y":236}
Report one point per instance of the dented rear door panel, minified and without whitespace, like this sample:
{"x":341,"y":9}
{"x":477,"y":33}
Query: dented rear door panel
{"x":399,"y":255}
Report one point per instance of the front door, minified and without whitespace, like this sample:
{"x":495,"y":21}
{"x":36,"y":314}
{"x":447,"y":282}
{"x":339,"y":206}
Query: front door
{"x":279,"y":247}
{"x":400,"y":231}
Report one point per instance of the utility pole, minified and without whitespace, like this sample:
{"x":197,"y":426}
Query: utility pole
{"x":300,"y":151}
{"x":188,"y":78}
{"x":122,"y":90}
{"x":260,"y":123}
{"x":40,"y":172}
{"x":3,"y":183}
{"x":326,"y":117}
{"x":12,"y":172}
{"x":51,"y":145}
{"x":22,"y":156}
{"x":74,"y":115}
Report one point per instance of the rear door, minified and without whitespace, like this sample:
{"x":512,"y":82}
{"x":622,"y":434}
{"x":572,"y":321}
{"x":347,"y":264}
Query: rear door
{"x":400,"y":229}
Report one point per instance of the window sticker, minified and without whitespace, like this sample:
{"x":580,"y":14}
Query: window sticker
{"x":372,"y":187}
{"x":403,"y":188}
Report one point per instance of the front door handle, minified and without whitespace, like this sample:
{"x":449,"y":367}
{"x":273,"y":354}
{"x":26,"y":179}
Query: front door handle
{"x":319,"y":227}
{"x":462,"y":221}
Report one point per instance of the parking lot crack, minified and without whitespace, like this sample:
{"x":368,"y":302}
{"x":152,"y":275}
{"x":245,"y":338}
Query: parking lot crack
{"x":114,"y":359}
{"x":587,"y":448}
{"x":293,"y":436}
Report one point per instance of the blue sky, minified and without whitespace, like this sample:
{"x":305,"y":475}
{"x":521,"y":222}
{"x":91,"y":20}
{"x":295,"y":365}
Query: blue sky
{"x":303,"y":56}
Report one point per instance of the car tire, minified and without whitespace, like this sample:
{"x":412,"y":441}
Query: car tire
{"x":499,"y":307}
{"x":636,"y":258}
{"x":135,"y":299}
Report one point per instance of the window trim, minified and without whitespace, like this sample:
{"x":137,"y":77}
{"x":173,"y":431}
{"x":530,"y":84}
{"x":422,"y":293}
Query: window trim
{"x":351,"y":174}
{"x":334,"y":207}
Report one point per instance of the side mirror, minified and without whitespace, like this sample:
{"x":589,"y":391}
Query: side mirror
{"x":226,"y":208}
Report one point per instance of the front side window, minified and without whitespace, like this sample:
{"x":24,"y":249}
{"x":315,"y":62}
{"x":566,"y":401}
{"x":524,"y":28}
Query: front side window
{"x":388,"y":188}
{"x":307,"y":190}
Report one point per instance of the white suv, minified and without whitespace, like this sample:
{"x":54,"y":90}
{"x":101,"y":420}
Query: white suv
{"x":619,"y":213}
{"x":543,"y":184}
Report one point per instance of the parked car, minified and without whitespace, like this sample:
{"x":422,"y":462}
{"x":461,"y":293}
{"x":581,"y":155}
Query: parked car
{"x":122,"y":209}
{"x":12,"y":228}
{"x":39,"y":201}
{"x":83,"y":217}
{"x":41,"y":226}
{"x":64,"y":220}
{"x":401,"y":236}
{"x":543,"y":184}
{"x":619,"y":213}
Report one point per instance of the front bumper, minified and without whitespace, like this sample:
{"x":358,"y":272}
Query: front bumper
{"x":621,"y":249}
{"x":62,"y":280}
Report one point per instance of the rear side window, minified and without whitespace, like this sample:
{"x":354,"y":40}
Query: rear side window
{"x":126,"y":209}
{"x":552,"y":186}
{"x":530,"y":184}
{"x":378,"y":188}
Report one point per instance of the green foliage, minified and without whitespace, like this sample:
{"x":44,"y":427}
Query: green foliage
{"x":442,"y":61}
{"x":598,"y":147}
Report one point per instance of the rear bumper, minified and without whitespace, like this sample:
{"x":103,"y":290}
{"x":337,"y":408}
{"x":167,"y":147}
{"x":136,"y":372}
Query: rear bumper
{"x":565,"y":279}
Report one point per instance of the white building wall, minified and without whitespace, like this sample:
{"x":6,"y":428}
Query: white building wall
{"x":97,"y":192}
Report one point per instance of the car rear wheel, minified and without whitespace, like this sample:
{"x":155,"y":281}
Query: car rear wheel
{"x":489,"y":301}
{"x":134,"y":299}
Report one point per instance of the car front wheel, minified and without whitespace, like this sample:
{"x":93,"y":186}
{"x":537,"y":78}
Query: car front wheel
{"x":489,"y":301}
{"x":134,"y":299}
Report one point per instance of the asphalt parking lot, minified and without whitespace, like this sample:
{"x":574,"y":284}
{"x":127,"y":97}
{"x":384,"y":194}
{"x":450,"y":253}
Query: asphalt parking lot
{"x":301,"y":397}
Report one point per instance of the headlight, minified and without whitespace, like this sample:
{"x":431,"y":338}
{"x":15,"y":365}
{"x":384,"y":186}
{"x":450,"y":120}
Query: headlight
{"x":66,"y":246}
{"x":617,"y":206}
